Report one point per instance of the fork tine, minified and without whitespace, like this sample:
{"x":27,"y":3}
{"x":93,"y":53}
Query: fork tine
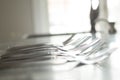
{"x":80,"y":41}
{"x":78,"y":50}
{"x":99,"y":56}
{"x":68,"y":40}
{"x":92,"y":43}
{"x":95,"y":48}
{"x":74,"y":44}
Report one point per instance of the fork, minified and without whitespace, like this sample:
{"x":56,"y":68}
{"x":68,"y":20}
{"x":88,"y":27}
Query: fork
{"x":92,"y":58}
{"x":37,"y":56}
{"x":68,"y":42}
{"x":41,"y":47}
{"x":78,"y":50}
{"x":16,"y":52}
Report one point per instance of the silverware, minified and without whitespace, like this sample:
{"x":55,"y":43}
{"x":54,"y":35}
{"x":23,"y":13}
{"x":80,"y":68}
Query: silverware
{"x":84,"y":50}
{"x":40,"y":49}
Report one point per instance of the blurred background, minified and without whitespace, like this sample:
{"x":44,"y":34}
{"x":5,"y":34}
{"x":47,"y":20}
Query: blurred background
{"x":21,"y":18}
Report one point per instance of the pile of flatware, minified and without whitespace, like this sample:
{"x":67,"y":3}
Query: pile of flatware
{"x":84,"y":49}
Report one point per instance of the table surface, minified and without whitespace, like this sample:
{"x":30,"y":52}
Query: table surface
{"x":109,"y":69}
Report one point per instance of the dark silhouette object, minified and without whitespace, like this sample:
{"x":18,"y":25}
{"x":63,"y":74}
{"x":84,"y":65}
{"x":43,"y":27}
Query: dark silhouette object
{"x":94,"y":13}
{"x":93,"y":16}
{"x":112,"y":28}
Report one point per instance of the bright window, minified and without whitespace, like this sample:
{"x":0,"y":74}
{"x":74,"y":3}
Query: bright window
{"x":69,"y":16}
